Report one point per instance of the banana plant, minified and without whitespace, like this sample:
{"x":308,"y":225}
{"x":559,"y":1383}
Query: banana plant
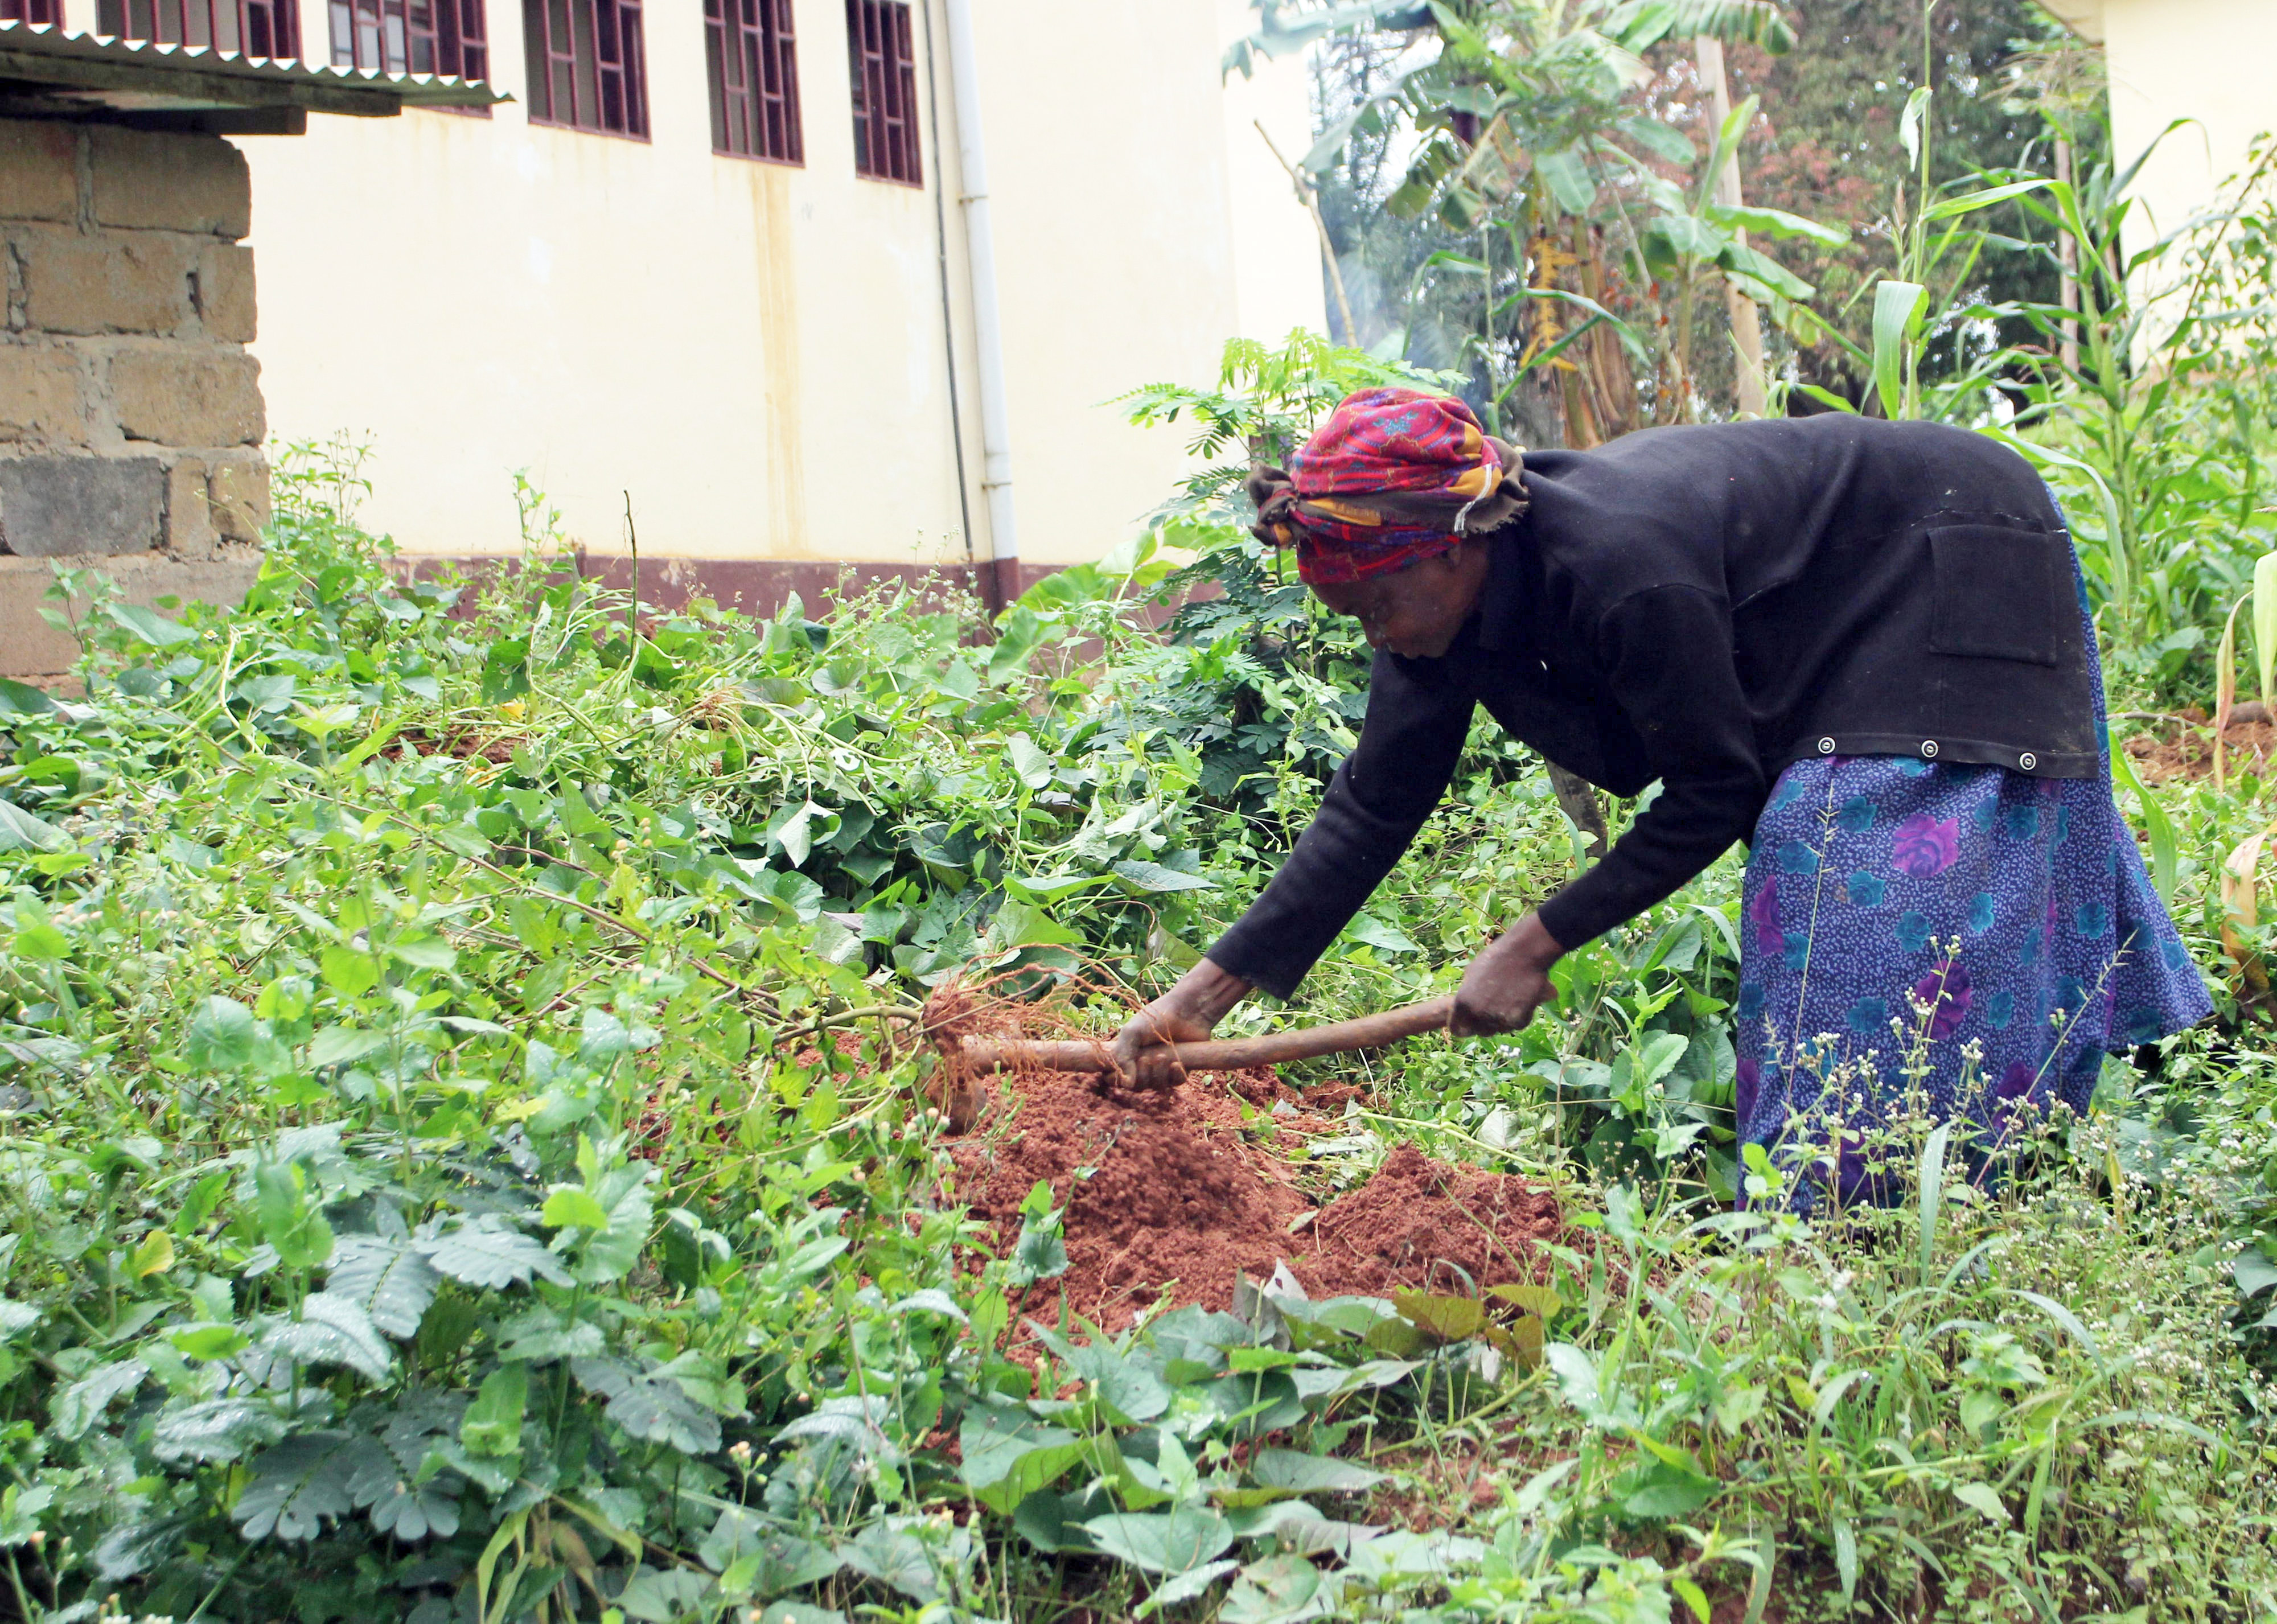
{"x":1528,"y":129}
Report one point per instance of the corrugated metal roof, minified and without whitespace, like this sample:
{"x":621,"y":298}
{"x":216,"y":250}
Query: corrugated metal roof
{"x":139,"y":79}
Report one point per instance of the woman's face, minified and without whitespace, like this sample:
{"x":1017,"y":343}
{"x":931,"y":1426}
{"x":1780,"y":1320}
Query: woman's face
{"x":1417,"y":611}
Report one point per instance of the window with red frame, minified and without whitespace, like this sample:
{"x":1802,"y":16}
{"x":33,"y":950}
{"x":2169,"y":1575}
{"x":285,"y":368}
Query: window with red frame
{"x":249,"y":28}
{"x":754,"y":67}
{"x":32,"y":12}
{"x":884,"y":60}
{"x":411,"y":36}
{"x":587,"y":68}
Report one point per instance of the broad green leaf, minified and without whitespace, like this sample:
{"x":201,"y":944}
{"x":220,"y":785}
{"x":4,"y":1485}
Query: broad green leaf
{"x":569,"y":1205}
{"x":1184,"y":1586}
{"x":350,"y":972}
{"x":1577,"y":1376}
{"x":1307,"y":1474}
{"x":2164,"y":852}
{"x":20,"y":831}
{"x":2253,"y":1272}
{"x":332,"y":1331}
{"x":154,"y":1256}
{"x":1008,"y":1455}
{"x":1535,"y":1299}
{"x":291,"y":1220}
{"x":42,"y":942}
{"x":1279,"y":1589}
{"x":297,"y":1488}
{"x":215,"y":1431}
{"x":1660,"y":1493}
{"x":1657,"y":1054}
{"x":424,"y":951}
{"x":212,"y":1341}
{"x":1684,"y":236}
{"x":1661,"y":140}
{"x":669,"y":1595}
{"x":1775,"y":223}
{"x":148,"y":624}
{"x":1154,"y":877}
{"x":1760,"y":268}
{"x":1982,"y":1499}
{"x":505,"y":670}
{"x":1018,"y":634}
{"x":1385,"y":938}
{"x":1031,"y":764}
{"x":1898,"y":308}
{"x":22,"y":699}
{"x":1442,"y":1319}
{"x":222,"y":1036}
{"x":81,"y":1404}
{"x":1173,"y":1542}
{"x":389,"y":1281}
{"x":1566,"y":172}
{"x":1051,"y":888}
{"x":492,"y":1257}
{"x":1969,"y":203}
{"x":493,"y":1423}
{"x":336,"y":1045}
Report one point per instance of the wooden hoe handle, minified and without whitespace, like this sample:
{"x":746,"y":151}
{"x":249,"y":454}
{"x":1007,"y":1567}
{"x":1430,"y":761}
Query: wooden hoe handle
{"x":1231,"y":1055}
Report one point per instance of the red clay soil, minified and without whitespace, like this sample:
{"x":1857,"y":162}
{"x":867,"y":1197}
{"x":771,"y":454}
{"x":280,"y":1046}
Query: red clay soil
{"x":1165,"y":1195}
{"x":2182,"y":748}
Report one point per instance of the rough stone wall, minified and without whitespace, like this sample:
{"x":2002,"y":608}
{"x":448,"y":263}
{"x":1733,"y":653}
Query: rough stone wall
{"x":131,"y":418}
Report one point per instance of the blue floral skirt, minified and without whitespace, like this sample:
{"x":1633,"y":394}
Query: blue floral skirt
{"x":1962,"y":941}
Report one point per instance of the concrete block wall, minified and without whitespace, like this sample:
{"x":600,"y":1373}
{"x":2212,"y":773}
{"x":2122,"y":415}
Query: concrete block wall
{"x":131,"y":417}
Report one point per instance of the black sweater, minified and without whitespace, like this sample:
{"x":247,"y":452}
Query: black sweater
{"x":1704,"y":607}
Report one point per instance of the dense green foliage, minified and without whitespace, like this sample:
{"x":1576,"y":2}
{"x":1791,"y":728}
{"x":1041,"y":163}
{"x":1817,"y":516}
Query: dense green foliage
{"x":469,"y":1153}
{"x":435,"y":1197}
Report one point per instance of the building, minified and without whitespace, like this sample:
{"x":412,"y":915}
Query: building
{"x":802,"y":283}
{"x":131,"y":417}
{"x":2205,"y":61}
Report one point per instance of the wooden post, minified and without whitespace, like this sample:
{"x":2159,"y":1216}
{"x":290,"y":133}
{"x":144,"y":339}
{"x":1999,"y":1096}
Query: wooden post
{"x":1746,"y":323}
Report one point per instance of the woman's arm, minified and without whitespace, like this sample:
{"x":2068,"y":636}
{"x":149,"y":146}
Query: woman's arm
{"x":1418,"y":717}
{"x":1667,"y":653}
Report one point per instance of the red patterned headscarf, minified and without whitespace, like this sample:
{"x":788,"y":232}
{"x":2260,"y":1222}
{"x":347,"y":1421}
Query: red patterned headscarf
{"x":1424,"y":474}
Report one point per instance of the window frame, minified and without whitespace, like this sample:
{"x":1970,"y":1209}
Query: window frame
{"x":748,"y":119}
{"x":881,"y":52}
{"x":605,"y":23}
{"x":457,"y":36}
{"x":34,"y":13}
{"x":275,"y":24}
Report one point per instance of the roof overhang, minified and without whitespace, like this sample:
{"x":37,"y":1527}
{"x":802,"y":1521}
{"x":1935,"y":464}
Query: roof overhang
{"x":46,"y":72}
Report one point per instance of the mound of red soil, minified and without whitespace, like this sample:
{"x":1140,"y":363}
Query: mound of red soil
{"x":1424,"y":1225}
{"x":1165,"y":1193}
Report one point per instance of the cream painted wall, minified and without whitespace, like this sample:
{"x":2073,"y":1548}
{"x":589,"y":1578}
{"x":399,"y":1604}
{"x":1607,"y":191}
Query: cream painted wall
{"x":1107,"y":166}
{"x":2204,"y":60}
{"x":1277,"y":251}
{"x":756,"y":351}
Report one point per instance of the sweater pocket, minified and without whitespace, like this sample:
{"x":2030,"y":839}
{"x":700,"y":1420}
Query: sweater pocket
{"x":1996,"y":593}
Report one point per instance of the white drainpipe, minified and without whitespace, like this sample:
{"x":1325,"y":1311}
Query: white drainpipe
{"x":987,"y":330}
